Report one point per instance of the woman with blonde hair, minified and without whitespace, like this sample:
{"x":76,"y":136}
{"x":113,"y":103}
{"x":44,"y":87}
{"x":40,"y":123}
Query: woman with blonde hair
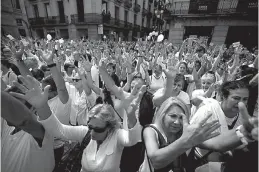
{"x":170,"y":136}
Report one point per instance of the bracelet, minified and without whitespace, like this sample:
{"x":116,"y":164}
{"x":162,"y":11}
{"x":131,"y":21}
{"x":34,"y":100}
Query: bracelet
{"x":52,"y":65}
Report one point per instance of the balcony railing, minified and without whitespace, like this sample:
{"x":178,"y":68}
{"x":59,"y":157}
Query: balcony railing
{"x":137,"y":8}
{"x":214,"y":7}
{"x":90,"y":18}
{"x":136,"y":27}
{"x":54,"y":20}
{"x":113,"y":22}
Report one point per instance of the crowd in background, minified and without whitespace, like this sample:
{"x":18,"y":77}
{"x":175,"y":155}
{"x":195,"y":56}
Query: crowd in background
{"x":147,"y":106}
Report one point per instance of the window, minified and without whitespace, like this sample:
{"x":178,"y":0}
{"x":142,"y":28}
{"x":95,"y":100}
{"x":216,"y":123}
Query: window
{"x":135,"y":19}
{"x":117,"y":12}
{"x":47,"y":9}
{"x":19,"y":22}
{"x":18,"y":4}
{"x":22,"y":32}
{"x":143,"y":20}
{"x":36,"y":10}
{"x":126,"y":15}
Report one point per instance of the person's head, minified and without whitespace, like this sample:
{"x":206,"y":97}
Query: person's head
{"x":197,"y":65}
{"x":134,"y":64}
{"x":207,"y":80}
{"x":53,"y":88}
{"x":137,"y":81}
{"x":77,"y":81}
{"x":200,"y":51}
{"x":69,"y":67}
{"x":183,"y":68}
{"x":102,"y":121}
{"x":232,"y":93}
{"x":5,"y":65}
{"x":178,"y":83}
{"x":37,"y":74}
{"x":221,"y":67}
{"x":46,"y":70}
{"x":169,"y":117}
{"x":111,"y":68}
{"x":246,"y":73}
{"x":158,"y":70}
{"x":68,"y":52}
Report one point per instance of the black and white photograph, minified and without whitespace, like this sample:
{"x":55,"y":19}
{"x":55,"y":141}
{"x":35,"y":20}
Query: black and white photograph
{"x":129,"y":86}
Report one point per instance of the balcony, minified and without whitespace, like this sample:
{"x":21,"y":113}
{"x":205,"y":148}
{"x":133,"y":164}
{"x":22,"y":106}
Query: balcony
{"x":113,"y":22}
{"x":90,"y":18}
{"x":137,"y":8}
{"x":127,"y":25}
{"x":54,"y":20}
{"x":128,"y":4}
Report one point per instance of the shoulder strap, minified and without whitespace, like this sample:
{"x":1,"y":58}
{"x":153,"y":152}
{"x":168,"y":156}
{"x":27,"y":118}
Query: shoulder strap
{"x":8,"y":74}
{"x":162,"y":141}
{"x":230,"y":127}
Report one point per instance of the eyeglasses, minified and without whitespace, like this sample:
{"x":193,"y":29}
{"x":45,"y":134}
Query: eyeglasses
{"x":97,"y":130}
{"x":76,"y":80}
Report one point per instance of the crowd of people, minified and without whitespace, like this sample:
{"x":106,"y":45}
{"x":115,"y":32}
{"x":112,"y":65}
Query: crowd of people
{"x":144,"y":106}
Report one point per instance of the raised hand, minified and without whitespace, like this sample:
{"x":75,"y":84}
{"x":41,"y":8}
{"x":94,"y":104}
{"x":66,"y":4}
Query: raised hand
{"x":250,"y":124}
{"x":49,"y":57}
{"x":134,"y":104}
{"x":18,"y":54}
{"x":32,"y":91}
{"x":170,"y":74}
{"x":197,"y":133}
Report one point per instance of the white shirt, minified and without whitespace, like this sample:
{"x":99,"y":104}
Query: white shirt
{"x":21,"y":153}
{"x":9,"y":78}
{"x":156,"y":84}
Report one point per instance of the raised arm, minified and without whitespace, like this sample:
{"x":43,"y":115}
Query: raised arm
{"x":57,"y":76}
{"x":109,"y":83}
{"x":192,"y":136}
{"x":17,"y":114}
{"x":39,"y":100}
{"x":161,"y":96}
{"x":20,"y":63}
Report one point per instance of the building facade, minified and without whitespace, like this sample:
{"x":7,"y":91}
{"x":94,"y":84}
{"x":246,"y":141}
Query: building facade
{"x":220,"y":21}
{"x":71,"y":19}
{"x":14,"y":19}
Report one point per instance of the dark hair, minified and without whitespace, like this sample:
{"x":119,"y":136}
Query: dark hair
{"x":185,"y":65}
{"x":44,"y":68}
{"x":50,"y":81}
{"x":198,"y":61}
{"x":200,"y":49}
{"x":179,"y":77}
{"x":67,"y":65}
{"x":111,"y":65}
{"x":6,"y":63}
{"x":231,"y":85}
{"x":38,"y":74}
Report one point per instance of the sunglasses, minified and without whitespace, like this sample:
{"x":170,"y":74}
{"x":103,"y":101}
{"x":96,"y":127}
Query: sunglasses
{"x":76,"y":80}
{"x":97,"y":130}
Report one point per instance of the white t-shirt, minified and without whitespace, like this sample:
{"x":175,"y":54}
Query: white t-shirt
{"x":156,"y":84}
{"x":21,"y":153}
